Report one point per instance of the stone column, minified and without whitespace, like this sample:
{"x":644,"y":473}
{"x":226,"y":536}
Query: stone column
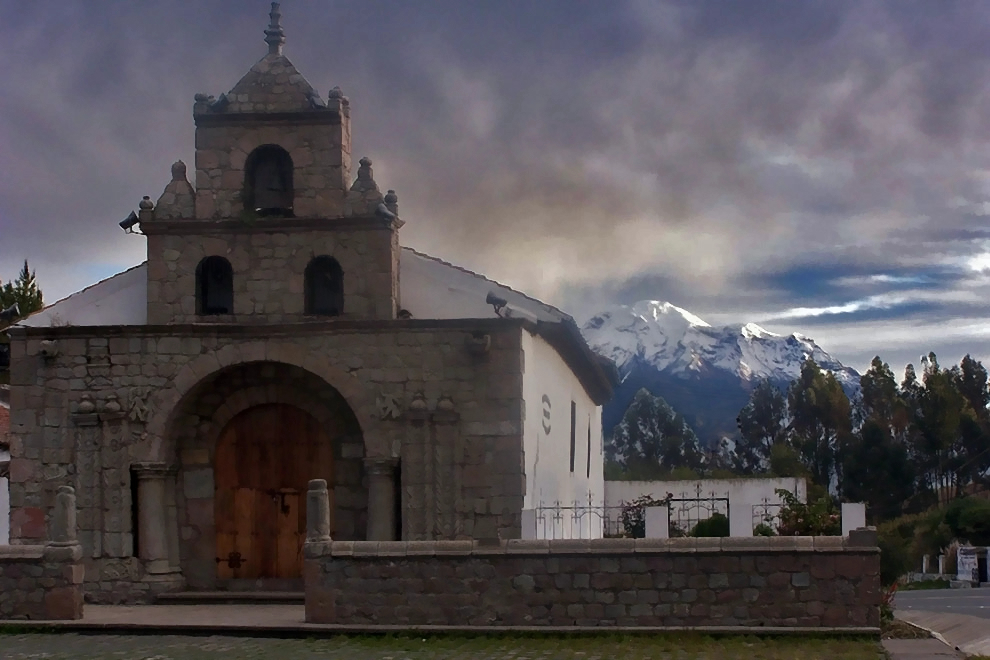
{"x":317,"y":512}
{"x":381,"y":498}
{"x":153,"y":530}
{"x":63,"y":532}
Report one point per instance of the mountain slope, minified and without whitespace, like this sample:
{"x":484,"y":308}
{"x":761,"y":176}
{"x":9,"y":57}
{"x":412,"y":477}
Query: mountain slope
{"x":704,"y":372}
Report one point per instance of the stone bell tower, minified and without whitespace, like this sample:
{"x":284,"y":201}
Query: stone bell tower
{"x":272,"y":232}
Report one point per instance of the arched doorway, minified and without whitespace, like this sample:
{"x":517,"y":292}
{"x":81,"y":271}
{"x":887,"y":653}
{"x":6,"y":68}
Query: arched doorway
{"x":265,"y":457}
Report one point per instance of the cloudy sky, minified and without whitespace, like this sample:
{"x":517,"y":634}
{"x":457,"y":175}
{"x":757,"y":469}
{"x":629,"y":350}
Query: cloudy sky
{"x":820,"y":167}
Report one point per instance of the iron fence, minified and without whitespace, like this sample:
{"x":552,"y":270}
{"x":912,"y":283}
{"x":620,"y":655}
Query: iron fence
{"x":767,"y":513}
{"x":686,"y":511}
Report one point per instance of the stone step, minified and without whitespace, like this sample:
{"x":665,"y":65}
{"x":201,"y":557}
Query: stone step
{"x":231,"y":598}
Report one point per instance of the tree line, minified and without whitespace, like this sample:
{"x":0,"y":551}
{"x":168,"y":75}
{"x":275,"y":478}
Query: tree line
{"x":22,"y":291}
{"x":899,"y":447}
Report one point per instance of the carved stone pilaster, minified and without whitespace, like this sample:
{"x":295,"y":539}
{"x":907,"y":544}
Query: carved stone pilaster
{"x":153,"y":529}
{"x":381,"y":498}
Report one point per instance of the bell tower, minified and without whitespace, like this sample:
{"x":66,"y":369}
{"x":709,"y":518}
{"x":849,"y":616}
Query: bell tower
{"x":272,"y":145}
{"x":272,"y":206}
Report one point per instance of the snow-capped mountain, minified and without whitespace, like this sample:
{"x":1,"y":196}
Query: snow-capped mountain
{"x":704,"y":372}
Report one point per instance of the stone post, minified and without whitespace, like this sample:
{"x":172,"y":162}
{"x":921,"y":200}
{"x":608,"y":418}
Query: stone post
{"x":925,"y":561}
{"x":941,"y":564}
{"x":317,"y":512}
{"x":853,"y":516}
{"x":63,"y":533}
{"x":741,"y":519}
{"x":381,"y":498}
{"x":153,"y":532}
{"x":657,"y":519}
{"x":529,"y":529}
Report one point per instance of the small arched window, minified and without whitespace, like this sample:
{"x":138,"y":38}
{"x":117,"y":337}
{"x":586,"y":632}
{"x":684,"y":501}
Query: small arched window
{"x":324,"y":287}
{"x":268,"y":181}
{"x":214,"y":286}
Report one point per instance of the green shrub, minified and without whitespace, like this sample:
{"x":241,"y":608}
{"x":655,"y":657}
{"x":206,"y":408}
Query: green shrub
{"x":716,"y":526}
{"x":968,"y":518}
{"x":764,"y":529}
{"x":818,"y":517}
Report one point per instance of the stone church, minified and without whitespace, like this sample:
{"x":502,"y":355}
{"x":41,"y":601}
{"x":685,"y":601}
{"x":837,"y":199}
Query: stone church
{"x":278,"y":332}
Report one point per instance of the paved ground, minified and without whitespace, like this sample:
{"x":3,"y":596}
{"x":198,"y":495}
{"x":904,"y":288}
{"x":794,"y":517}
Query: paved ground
{"x":959,"y":616}
{"x":970,"y":602}
{"x":157,"y":647}
{"x":919,"y":649}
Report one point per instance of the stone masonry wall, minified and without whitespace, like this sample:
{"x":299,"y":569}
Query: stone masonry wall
{"x":269,"y":272}
{"x":40,"y":583}
{"x":106,"y":398}
{"x":785,"y":582}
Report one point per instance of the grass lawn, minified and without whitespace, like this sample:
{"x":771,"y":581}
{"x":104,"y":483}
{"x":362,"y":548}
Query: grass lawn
{"x":605,"y":647}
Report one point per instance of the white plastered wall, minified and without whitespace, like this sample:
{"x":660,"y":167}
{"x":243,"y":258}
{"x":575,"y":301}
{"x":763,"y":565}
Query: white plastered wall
{"x":549,"y":387}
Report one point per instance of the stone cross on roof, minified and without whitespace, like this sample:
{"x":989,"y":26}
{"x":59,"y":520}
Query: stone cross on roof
{"x":275,"y":35}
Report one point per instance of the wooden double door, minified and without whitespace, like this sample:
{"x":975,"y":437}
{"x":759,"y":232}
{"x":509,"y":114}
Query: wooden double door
{"x":264,"y":459}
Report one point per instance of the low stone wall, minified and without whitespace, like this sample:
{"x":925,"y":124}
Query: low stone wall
{"x":41,"y":582}
{"x":781,"y":581}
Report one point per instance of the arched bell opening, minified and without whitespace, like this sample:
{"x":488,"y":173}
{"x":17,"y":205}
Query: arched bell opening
{"x":268,"y":185}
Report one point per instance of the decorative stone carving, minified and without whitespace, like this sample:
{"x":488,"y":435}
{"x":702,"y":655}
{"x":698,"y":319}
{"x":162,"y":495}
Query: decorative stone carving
{"x":479,"y":343}
{"x":139,"y":411}
{"x":48,"y":349}
{"x":389,"y":407}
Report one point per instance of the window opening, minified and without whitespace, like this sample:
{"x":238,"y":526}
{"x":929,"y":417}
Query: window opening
{"x":573,"y":432}
{"x":214,"y":286}
{"x":588,"y":475}
{"x":324,"y":287}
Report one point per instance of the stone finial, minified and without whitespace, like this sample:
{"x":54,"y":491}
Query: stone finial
{"x":317,"y":512}
{"x":365,"y":171}
{"x":392,"y":202}
{"x":86,"y":405}
{"x":63,"y":531}
{"x":335,"y":94}
{"x":275,"y":35}
{"x":418,"y":403}
{"x":178,"y":199}
{"x":112,"y":404}
{"x":146,"y":204}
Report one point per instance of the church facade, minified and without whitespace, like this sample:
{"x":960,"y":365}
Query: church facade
{"x":277,"y":333}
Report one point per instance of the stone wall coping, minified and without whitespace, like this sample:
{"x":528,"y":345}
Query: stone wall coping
{"x":19,"y":552}
{"x":267,"y":225}
{"x":321,"y":116}
{"x":266,"y":331}
{"x":476,"y":548}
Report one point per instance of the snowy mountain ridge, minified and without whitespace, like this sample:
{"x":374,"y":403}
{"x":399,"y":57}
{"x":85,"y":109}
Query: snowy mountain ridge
{"x":705,"y":373}
{"x":673,"y":340}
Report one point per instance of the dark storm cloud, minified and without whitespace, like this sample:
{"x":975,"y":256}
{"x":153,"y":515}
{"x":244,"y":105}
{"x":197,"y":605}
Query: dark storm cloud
{"x":711,"y":153}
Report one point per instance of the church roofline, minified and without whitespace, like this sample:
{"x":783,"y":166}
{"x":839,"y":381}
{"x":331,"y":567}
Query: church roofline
{"x":548,"y":308}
